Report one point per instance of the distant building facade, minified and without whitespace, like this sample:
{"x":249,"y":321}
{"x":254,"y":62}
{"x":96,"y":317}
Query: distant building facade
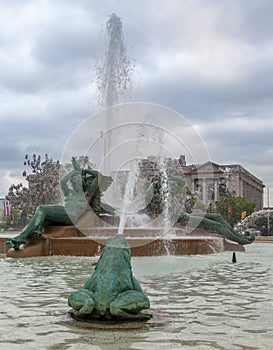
{"x":151,"y":165}
{"x":268,"y":198}
{"x":209,"y":181}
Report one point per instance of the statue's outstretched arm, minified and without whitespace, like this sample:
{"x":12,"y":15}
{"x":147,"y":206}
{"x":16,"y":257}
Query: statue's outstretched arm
{"x":90,"y":172}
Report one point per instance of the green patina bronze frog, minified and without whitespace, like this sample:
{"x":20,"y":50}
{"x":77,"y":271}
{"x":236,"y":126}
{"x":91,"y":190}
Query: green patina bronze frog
{"x":111,"y":292}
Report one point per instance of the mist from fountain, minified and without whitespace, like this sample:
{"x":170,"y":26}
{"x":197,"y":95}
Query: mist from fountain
{"x":165,"y":195}
{"x":113,"y":80}
{"x":132,"y":202}
{"x":114,"y":85}
{"x":129,"y":194}
{"x":114,"y":73}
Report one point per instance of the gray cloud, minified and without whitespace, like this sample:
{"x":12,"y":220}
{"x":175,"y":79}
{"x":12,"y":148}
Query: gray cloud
{"x":210,"y":60}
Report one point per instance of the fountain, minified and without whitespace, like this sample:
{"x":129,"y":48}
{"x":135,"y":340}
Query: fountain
{"x":131,"y":133}
{"x":217,"y":301}
{"x":93,"y":221}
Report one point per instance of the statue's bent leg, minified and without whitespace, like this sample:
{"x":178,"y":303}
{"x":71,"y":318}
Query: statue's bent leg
{"x":53,"y":213}
{"x":127,"y":305}
{"x":82,"y":301}
{"x":214,"y":222}
{"x":218,"y":218}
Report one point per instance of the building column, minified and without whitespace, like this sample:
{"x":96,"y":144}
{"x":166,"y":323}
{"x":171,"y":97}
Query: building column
{"x":216,"y":190}
{"x":204,"y":184}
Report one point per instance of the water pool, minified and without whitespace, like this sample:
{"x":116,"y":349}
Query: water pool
{"x":206,"y":303}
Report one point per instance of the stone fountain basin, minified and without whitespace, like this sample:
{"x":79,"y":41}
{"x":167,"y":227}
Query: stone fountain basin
{"x":70,"y":240}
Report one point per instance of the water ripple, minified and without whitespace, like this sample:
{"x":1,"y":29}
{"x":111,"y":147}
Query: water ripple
{"x":207,"y":302}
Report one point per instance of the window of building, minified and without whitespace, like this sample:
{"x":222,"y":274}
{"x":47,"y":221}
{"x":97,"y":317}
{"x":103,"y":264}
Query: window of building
{"x":198,"y":188}
{"x":210,"y":189}
{"x":222,"y":187}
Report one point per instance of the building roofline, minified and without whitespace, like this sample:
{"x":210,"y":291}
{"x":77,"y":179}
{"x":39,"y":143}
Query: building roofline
{"x":238,"y":167}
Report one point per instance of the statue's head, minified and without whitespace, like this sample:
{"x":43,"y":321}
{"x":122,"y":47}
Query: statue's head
{"x":116,"y":253}
{"x":88,"y":184}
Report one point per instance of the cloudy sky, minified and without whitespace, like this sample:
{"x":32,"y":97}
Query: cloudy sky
{"x":210,"y":60}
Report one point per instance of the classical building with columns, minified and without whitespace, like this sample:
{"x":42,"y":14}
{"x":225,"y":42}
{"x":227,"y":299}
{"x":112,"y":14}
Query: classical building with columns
{"x":209,"y":181}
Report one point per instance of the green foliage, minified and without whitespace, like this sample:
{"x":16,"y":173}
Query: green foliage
{"x":261,"y":224}
{"x":178,"y":194}
{"x":42,"y":177}
{"x":237,"y":205}
{"x":156,"y":204}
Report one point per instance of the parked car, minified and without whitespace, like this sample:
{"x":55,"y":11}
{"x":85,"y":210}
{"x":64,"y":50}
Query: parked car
{"x":251,"y":232}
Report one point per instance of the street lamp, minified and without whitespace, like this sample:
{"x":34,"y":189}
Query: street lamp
{"x":268,"y":211}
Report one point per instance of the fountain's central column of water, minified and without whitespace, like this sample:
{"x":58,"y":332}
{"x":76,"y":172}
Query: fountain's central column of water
{"x":113,"y":81}
{"x":128,"y":194}
{"x":114,"y":84}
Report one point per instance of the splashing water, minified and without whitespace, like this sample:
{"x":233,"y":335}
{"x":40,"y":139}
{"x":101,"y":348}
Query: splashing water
{"x":130,"y":200}
{"x":114,"y":74}
{"x":165,"y":195}
{"x":129,"y":194}
{"x":114,"y":84}
{"x":168,"y":231}
{"x":114,"y":81}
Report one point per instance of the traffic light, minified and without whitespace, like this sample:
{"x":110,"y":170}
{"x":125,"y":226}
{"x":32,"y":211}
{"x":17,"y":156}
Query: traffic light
{"x":243,"y":215}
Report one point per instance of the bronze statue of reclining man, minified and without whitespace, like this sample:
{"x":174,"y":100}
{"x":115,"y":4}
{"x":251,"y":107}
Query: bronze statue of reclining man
{"x":83,"y":193}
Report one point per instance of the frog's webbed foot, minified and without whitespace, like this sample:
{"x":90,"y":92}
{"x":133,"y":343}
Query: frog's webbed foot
{"x":127,"y":305}
{"x":82,"y":301}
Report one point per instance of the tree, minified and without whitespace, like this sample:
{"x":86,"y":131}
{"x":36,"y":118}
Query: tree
{"x":231,"y":208}
{"x":261,"y":223}
{"x":42,"y":177}
{"x":83,"y":161}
